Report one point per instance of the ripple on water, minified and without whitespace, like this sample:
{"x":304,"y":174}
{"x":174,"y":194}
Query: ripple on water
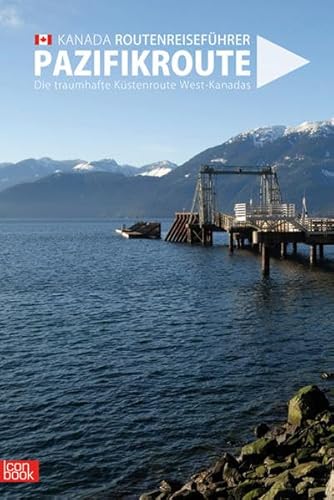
{"x":126,"y":361}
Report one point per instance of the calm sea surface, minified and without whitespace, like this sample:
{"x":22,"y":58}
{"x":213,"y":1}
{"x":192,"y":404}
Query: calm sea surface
{"x":125,"y":362}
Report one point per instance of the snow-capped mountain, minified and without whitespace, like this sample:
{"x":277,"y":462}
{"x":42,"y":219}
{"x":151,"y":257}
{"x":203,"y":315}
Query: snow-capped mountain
{"x":32,"y":169}
{"x":105,"y":165}
{"x":157,"y":169}
{"x":83,"y":167}
{"x":261,"y":135}
{"x":319,"y":128}
{"x":303,"y":156}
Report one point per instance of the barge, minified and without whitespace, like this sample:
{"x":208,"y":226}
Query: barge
{"x":148,"y":230}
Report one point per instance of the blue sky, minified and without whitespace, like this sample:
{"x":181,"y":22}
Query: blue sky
{"x":141,"y":127}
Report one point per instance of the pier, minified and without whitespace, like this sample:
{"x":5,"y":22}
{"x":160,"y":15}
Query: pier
{"x":267,"y":227}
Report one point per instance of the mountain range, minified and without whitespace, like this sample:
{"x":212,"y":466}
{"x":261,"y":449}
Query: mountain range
{"x":303,"y":157}
{"x":33,"y":169}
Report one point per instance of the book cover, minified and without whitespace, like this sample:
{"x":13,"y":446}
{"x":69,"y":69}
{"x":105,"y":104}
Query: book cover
{"x":166,"y":232}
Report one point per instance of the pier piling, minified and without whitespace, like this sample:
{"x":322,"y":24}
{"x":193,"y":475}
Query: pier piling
{"x":283,"y":250}
{"x":294,"y":248}
{"x":265,"y":260}
{"x":321,"y":251}
{"x":313,"y":255}
{"x":231,"y":242}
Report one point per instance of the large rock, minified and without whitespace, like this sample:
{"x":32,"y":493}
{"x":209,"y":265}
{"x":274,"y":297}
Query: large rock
{"x":169,"y":487}
{"x":281,"y":487}
{"x":243,"y":488}
{"x":306,"y":404}
{"x":304,"y":485}
{"x":188,"y":491}
{"x":330,"y":486}
{"x":226,"y":464}
{"x":257,"y":450}
{"x":303,"y":455}
{"x":254,"y":494}
{"x":261,"y":470}
{"x":231,"y":475}
{"x":312,"y":469}
{"x":278,"y":467}
{"x":278,"y":492}
{"x":317,"y":493}
{"x":284,"y":478}
{"x":186,"y":494}
{"x":261,"y":430}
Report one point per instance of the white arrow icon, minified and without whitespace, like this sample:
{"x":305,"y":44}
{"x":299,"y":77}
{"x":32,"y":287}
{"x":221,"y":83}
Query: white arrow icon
{"x":274,"y":61}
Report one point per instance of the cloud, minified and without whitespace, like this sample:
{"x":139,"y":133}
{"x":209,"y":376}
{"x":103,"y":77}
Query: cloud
{"x":10,"y":17}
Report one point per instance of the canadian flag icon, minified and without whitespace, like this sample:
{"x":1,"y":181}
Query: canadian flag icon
{"x":43,"y":39}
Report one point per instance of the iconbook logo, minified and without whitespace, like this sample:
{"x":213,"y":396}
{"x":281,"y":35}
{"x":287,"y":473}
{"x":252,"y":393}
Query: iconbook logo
{"x":19,"y":471}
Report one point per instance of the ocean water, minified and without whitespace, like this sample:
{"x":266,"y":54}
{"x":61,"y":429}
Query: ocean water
{"x":126,"y":362}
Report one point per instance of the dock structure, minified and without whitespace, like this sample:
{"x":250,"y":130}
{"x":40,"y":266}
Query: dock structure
{"x":145,"y":230}
{"x":267,"y":228}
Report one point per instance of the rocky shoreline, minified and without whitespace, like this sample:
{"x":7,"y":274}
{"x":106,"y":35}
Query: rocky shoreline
{"x":291,"y":461}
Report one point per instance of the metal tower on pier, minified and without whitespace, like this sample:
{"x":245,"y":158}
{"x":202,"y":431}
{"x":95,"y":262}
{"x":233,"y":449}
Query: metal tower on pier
{"x":205,"y":203}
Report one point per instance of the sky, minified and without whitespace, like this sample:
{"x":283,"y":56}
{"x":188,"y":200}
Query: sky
{"x":137,"y":127}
